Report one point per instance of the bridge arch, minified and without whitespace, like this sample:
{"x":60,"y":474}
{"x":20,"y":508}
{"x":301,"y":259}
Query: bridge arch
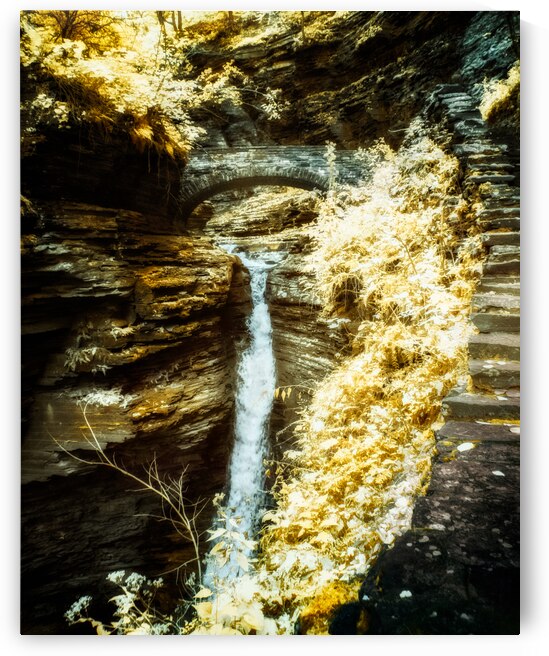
{"x":210,"y":185}
{"x":214,"y":170}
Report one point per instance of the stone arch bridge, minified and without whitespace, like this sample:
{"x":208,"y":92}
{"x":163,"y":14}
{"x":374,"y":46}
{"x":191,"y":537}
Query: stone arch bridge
{"x":214,"y":170}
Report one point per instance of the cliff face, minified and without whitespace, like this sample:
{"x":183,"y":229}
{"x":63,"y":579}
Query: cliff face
{"x":131,"y":327}
{"x":366,"y":77}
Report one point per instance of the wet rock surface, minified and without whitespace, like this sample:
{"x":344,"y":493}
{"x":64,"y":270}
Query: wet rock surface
{"x":306,"y":344}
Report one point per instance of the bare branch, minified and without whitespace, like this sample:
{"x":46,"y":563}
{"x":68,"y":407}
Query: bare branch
{"x":176,"y":509}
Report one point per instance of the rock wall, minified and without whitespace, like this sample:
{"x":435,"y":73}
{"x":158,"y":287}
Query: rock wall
{"x":364,"y":78}
{"x":134,"y":325}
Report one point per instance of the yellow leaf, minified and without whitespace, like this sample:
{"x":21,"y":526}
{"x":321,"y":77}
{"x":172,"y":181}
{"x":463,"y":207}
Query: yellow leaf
{"x":250,"y":544}
{"x":216,"y":534}
{"x":100,"y":628}
{"x":140,"y":630}
{"x":202,"y":594}
{"x":322,"y":538}
{"x":270,"y":517}
{"x":242,"y":561}
{"x":226,"y":630}
{"x":269,"y":627}
{"x":218,"y":547}
{"x":254,"y":618}
{"x":204,"y":609}
{"x":226,"y":612}
{"x":222,"y":559}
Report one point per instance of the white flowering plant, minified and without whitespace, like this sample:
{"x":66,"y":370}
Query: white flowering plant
{"x":135,"y":612}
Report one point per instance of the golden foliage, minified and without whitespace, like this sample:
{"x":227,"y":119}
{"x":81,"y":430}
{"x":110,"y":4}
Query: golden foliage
{"x":80,"y":80}
{"x":390,"y":260}
{"x":315,"y":617}
{"x":98,"y":30}
{"x":502,"y":97}
{"x":238,"y":29}
{"x":126,"y":78}
{"x":126,"y":71}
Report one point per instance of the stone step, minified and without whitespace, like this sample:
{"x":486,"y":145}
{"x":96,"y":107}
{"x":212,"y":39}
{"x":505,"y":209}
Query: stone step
{"x":510,"y":223}
{"x":450,"y":89}
{"x":496,"y":322}
{"x":501,"y":212}
{"x":489,"y":168}
{"x":460,"y":111}
{"x":492,"y":301}
{"x":510,"y":200}
{"x":478,"y":432}
{"x":451,"y":98}
{"x":494,"y":374}
{"x":504,"y":252}
{"x":476,"y":159}
{"x":490,"y":239}
{"x":499,"y":194}
{"x":498,"y":346}
{"x":480,"y":147}
{"x":492,"y":178}
{"x":495,"y":266}
{"x":478,"y":406}
{"x":470,"y":128}
{"x":458,"y":95}
{"x":501,"y":284}
{"x":502,"y":259}
{"x":461,"y":108}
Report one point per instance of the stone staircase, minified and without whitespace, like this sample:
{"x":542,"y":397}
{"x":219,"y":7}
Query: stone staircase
{"x":478,"y":446}
{"x":459,"y":563}
{"x":493,"y":392}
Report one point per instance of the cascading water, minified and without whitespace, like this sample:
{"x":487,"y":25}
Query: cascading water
{"x":256,"y":385}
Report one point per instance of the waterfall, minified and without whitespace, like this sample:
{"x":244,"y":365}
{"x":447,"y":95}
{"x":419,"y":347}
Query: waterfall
{"x":254,"y":398}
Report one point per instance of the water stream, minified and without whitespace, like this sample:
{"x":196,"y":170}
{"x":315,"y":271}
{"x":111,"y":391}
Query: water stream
{"x":254,"y":398}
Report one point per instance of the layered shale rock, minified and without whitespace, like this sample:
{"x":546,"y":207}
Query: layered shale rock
{"x":130,"y":327}
{"x":365,"y":75}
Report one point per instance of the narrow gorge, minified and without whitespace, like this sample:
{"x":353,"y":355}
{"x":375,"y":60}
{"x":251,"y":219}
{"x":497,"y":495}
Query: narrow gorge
{"x":270,"y":322}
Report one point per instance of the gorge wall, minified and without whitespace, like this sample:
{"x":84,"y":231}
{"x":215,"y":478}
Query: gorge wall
{"x":135,"y":325}
{"x":135,"y":318}
{"x":365,"y":79}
